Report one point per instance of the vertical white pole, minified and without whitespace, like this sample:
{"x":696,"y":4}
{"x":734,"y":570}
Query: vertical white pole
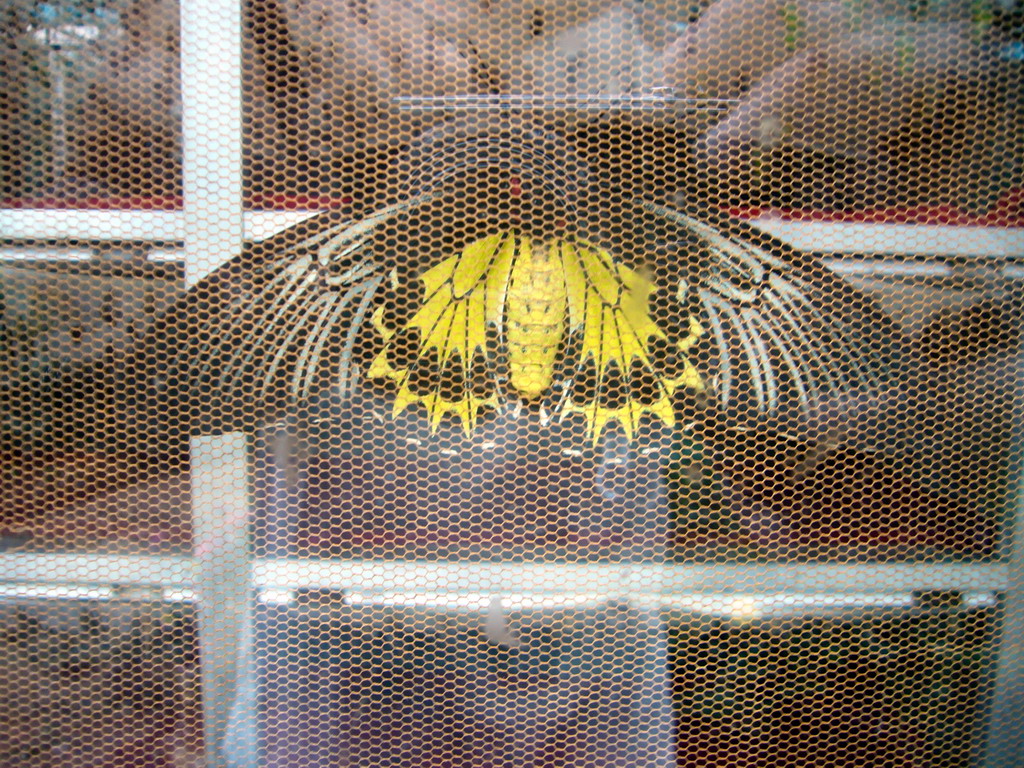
{"x":1005,"y":748}
{"x":220,"y":525}
{"x":211,"y":83}
{"x":211,"y":78}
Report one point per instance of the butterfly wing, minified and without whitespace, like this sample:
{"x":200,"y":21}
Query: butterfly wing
{"x":764,"y":327}
{"x":475,"y":326}
{"x":619,"y":362}
{"x":445,"y":356}
{"x":785,"y":334}
{"x":267,"y":330}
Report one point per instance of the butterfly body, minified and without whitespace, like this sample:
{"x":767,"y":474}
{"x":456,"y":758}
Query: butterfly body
{"x":535,"y":319}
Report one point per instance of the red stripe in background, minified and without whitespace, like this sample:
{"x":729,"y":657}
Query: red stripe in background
{"x":1007,"y":212}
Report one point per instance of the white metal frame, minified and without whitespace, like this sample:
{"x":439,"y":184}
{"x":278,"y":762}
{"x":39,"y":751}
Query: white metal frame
{"x":383,"y":576}
{"x":818,"y":236}
{"x":119,"y":226}
{"x":222,"y":577}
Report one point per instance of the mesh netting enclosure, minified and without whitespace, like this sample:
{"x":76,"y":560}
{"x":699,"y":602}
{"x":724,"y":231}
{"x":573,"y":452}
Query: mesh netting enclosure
{"x":424,"y":384}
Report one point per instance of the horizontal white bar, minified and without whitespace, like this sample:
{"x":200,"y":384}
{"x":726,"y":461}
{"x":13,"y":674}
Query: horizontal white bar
{"x":520,"y":578}
{"x":626,"y":579}
{"x":664,"y":99}
{"x":741,"y":606}
{"x":55,"y":592}
{"x":888,"y":267}
{"x":896,"y":239}
{"x":259,"y":225}
{"x":97,"y":569}
{"x":1013,"y":271}
{"x":71,"y":35}
{"x":37,"y":253}
{"x":143,"y":226}
{"x":91,"y":225}
{"x":737,"y":605}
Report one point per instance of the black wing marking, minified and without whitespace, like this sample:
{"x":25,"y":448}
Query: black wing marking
{"x":785,"y":331}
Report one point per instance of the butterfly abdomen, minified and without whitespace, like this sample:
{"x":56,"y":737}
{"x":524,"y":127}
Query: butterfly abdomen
{"x":535,"y":318}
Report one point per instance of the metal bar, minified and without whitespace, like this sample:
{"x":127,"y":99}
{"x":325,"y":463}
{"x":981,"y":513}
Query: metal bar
{"x":211,"y":84}
{"x":139,"y":570}
{"x":212,"y":133}
{"x":625,"y":580}
{"x":379,"y":576}
{"x":132,"y":226}
{"x":817,"y":236}
{"x":259,"y":225}
{"x":897,"y":239}
{"x":36,"y":224}
{"x":899,"y":268}
{"x":220,"y":519}
{"x":656,"y":100}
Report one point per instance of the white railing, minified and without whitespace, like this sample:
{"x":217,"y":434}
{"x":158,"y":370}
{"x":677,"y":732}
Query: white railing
{"x":498,"y":578}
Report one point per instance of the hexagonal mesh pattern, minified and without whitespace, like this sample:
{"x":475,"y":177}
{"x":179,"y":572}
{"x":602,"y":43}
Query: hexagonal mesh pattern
{"x":529,"y":383}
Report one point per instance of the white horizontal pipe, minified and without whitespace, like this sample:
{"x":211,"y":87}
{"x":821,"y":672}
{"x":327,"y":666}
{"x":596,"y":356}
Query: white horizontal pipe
{"x":379,"y":576}
{"x":819,"y":236}
{"x":840,"y":237}
{"x":138,"y":226}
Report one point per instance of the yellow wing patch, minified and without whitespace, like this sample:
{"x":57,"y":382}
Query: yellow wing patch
{"x":569,"y":323}
{"x":442,"y":357}
{"x":626,"y":364}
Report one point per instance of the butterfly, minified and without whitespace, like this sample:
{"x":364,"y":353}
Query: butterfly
{"x":486,"y":289}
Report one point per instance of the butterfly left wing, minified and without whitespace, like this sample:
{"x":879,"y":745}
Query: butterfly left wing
{"x":785,"y":335}
{"x":445,"y":357}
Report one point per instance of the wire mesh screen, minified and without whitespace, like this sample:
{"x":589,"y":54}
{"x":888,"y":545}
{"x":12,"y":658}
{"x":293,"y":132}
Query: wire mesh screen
{"x":489,"y":384}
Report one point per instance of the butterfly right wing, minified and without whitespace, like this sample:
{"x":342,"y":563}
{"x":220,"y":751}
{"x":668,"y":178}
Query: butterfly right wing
{"x":786,"y":336}
{"x":445,"y":356}
{"x":620,"y":363}
{"x":269,"y":329}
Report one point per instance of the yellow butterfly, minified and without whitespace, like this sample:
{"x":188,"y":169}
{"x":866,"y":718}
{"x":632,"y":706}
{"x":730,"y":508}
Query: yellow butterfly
{"x":469,"y":297}
{"x":499,"y":319}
